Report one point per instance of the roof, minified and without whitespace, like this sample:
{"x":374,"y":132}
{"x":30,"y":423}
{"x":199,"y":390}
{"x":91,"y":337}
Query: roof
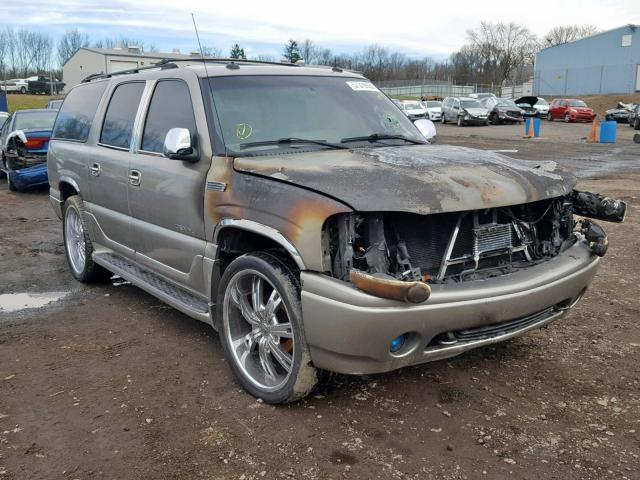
{"x":631,"y":26}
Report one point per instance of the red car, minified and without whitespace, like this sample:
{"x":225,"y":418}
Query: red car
{"x":570,"y":110}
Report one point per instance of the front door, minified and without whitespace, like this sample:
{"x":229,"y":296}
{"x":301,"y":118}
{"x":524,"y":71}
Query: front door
{"x":167,"y":203}
{"x":109,"y":167}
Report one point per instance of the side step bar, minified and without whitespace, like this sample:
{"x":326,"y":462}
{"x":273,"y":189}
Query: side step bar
{"x":179,"y":298}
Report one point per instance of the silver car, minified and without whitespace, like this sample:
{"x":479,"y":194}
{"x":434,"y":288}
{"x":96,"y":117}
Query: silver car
{"x":464,"y":111}
{"x":310,"y":222}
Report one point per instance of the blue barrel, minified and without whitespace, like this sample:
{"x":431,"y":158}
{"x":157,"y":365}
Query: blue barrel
{"x":536,"y":125}
{"x":608,"y":131}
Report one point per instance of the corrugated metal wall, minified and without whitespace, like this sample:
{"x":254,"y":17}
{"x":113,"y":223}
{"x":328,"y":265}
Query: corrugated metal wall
{"x":594,"y":65}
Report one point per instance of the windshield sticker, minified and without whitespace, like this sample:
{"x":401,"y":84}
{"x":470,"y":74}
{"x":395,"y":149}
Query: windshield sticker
{"x":243,"y":131}
{"x":362,"y":86}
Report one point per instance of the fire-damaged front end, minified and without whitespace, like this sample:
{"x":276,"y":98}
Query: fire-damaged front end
{"x":391,"y":254}
{"x":444,"y":249}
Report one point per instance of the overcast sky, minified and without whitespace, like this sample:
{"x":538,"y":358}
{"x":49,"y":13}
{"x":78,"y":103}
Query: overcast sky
{"x":417,"y":28}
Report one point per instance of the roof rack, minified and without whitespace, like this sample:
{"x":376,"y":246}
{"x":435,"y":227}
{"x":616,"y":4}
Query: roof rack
{"x":167,"y":63}
{"x":226,"y":60}
{"x":162,"y":65}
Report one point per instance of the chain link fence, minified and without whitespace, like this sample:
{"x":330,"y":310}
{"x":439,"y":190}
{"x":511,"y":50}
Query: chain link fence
{"x":441,"y":89}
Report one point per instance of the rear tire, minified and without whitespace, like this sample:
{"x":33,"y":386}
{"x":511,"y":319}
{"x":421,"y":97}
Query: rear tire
{"x":77,"y":243}
{"x":443,"y":119}
{"x":460,"y":122}
{"x":567,"y":118}
{"x":259,"y":319}
{"x":636,"y":124}
{"x":549,"y":117}
{"x":23,"y":90}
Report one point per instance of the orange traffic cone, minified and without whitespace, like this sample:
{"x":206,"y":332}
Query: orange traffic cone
{"x":531,"y":129}
{"x":593,"y":134}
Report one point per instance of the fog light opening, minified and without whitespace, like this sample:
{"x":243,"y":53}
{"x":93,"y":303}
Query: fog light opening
{"x":397,"y":343}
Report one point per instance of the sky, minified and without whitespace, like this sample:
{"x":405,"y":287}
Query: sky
{"x":416,"y":28}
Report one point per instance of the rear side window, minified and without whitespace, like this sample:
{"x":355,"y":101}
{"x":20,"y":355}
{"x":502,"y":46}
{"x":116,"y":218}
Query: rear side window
{"x":77,"y":112}
{"x":170,"y":107}
{"x":117,"y":128}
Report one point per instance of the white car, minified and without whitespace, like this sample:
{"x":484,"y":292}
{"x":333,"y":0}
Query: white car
{"x":434,"y":109}
{"x":413,"y":109}
{"x":16,"y":85}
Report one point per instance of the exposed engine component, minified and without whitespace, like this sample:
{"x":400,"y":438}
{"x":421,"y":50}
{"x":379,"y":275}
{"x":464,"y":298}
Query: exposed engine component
{"x":448,"y":247}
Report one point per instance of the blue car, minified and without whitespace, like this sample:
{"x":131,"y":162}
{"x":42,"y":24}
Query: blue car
{"x":24,"y":141}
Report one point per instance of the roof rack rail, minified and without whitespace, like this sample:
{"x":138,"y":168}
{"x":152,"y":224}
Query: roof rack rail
{"x":227,"y":60}
{"x":162,"y":65}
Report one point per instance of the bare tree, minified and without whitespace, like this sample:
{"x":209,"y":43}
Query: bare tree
{"x":568,"y":33}
{"x":501,"y":48}
{"x":308,"y":51}
{"x":212,"y":52}
{"x":69,"y":43}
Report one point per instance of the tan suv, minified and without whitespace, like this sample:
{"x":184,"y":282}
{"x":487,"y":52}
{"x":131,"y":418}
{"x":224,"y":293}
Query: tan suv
{"x":299,"y":212}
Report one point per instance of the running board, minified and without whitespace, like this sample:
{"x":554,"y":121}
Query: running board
{"x":179,"y":298}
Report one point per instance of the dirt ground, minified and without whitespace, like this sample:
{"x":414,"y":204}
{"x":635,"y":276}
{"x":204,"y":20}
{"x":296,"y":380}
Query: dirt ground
{"x":110,"y":383}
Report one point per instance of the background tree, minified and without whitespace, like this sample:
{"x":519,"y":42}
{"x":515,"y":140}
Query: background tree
{"x":69,"y":43}
{"x":291,"y":51}
{"x":212,"y":52}
{"x":568,"y":33}
{"x":237,"y":52}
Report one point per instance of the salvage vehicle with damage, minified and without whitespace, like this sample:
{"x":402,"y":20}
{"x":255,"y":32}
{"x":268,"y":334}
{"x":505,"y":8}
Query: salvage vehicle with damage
{"x":311,"y":223}
{"x":24,"y":140}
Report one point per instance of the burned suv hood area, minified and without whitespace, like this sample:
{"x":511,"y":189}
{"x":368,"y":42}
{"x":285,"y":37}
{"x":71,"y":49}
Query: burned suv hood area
{"x":420,"y":179}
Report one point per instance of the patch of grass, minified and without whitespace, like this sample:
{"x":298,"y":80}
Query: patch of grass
{"x":23,"y":102}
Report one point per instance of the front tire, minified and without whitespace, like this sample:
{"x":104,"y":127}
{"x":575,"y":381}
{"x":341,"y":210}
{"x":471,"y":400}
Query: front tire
{"x":77,"y":244}
{"x":567,"y":118}
{"x":259,"y":318}
{"x":23,"y":90}
{"x":636,"y":124}
{"x":460,"y":122}
{"x":549,"y":117}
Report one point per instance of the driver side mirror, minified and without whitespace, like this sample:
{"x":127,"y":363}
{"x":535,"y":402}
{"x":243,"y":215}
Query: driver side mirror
{"x":178,"y":146}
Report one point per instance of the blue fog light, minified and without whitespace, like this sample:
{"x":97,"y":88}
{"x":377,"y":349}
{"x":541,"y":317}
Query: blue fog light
{"x":397,"y":343}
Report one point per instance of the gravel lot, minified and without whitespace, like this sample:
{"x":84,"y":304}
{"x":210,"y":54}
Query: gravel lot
{"x":108,"y":382}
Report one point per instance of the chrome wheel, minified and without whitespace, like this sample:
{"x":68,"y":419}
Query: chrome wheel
{"x":258,"y":329}
{"x":75,"y":240}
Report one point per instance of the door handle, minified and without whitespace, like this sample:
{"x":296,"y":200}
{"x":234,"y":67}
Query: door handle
{"x":95,"y":169}
{"x":134,"y":178}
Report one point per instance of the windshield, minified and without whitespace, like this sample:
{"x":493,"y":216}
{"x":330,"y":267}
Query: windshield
{"x":470,"y":104}
{"x":506,"y":103}
{"x":434,"y":104}
{"x":255,"y":109}
{"x":412,"y":106}
{"x":541,"y":101}
{"x":577,"y":103}
{"x":34,"y":120}
{"x":3,"y":118}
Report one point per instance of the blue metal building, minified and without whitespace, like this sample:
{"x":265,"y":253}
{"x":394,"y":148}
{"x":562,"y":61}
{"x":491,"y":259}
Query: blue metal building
{"x":607,"y":62}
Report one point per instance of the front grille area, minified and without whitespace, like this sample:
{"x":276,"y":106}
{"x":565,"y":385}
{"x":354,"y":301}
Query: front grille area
{"x":449,"y":247}
{"x":453,"y":245}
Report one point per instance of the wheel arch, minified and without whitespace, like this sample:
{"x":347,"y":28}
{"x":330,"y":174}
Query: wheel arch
{"x":67,"y":187}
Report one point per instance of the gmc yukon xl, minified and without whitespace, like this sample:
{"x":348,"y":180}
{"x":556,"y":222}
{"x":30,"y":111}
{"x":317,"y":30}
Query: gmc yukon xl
{"x":299,"y":212}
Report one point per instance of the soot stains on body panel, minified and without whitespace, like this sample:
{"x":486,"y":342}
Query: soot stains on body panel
{"x":417,"y":179}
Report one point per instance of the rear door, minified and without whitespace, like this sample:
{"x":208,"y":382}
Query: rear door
{"x":109,"y":167}
{"x":167,"y":200}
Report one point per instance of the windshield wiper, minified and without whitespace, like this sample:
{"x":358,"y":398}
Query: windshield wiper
{"x":374,"y":137}
{"x":290,"y":140}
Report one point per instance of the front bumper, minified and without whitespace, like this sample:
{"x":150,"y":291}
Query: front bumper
{"x":349,"y":331}
{"x":475,"y":120}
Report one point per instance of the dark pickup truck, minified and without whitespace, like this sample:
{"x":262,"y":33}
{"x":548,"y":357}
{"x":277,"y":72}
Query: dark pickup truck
{"x":45,"y":85}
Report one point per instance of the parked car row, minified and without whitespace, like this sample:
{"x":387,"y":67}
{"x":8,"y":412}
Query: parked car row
{"x":35,"y":85}
{"x":486,"y":108}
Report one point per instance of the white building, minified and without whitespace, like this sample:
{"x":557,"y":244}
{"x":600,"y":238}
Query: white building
{"x":88,"y":61}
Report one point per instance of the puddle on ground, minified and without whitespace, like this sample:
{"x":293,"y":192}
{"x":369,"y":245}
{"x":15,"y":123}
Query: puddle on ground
{"x":14,"y":302}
